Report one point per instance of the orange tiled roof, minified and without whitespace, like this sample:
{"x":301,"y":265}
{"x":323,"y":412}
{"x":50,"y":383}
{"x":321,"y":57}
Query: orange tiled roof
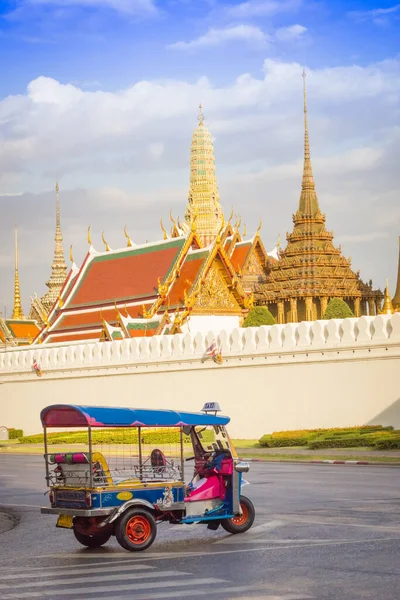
{"x":189,"y":273}
{"x":127,"y":274}
{"x":240,"y":254}
{"x":22,"y":329}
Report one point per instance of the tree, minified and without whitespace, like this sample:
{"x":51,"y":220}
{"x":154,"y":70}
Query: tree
{"x":337,"y":309}
{"x":259,"y":315}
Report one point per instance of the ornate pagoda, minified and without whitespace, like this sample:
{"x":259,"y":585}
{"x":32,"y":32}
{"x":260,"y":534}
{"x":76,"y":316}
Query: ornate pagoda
{"x":17,"y":331}
{"x":203,"y":204}
{"x":396,"y":297}
{"x":311,"y":270}
{"x":41,"y":307}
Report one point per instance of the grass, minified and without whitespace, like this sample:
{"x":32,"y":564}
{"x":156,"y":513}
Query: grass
{"x":244,"y":447}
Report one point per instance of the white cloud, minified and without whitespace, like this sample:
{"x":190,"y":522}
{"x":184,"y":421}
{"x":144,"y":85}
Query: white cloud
{"x":261,"y":8}
{"x":129,"y":7}
{"x":123,"y":158}
{"x":216,"y":37}
{"x":293,"y":32}
{"x":379,"y":16}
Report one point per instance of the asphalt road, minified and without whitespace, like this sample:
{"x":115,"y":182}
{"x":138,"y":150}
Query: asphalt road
{"x":321,"y":532}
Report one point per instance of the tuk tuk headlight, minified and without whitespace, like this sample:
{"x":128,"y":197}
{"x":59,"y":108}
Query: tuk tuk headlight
{"x":242,"y":467}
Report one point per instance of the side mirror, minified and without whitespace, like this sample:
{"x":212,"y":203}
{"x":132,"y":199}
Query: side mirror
{"x":186,"y":429}
{"x":242,"y":467}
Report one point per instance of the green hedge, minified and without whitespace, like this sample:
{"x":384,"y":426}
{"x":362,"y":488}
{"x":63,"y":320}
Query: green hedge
{"x":14,"y":434}
{"x":113,"y":436}
{"x":373,"y":436}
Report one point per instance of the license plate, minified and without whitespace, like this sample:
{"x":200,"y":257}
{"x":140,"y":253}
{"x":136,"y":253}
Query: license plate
{"x":64,"y":521}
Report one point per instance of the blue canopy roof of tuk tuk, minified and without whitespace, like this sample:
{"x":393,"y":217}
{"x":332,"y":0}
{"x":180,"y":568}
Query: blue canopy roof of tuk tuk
{"x":70,"y":415}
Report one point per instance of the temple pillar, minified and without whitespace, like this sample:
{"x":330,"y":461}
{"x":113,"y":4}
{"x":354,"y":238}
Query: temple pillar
{"x":324,"y":304}
{"x":309,"y":309}
{"x":377,"y":306}
{"x":293,"y":310}
{"x":371,"y":307}
{"x":281,"y":311}
{"x":357,"y":307}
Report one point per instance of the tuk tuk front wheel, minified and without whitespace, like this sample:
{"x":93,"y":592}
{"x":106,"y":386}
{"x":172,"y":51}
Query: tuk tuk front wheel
{"x":136,"y":529}
{"x":92,"y":541}
{"x":243,"y":522}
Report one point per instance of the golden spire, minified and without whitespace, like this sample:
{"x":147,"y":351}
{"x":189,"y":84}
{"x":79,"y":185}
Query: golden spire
{"x":17,"y":311}
{"x":396,"y":297}
{"x":201,"y":116}
{"x":387,"y":308}
{"x":308,"y":204}
{"x":203,"y":191}
{"x":59,"y":267}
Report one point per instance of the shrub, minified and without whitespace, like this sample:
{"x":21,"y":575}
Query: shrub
{"x":388,"y":443}
{"x":259,"y":315}
{"x":341,"y":442}
{"x":337,"y":309}
{"x":14,"y":434}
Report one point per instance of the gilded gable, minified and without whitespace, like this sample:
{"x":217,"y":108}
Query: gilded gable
{"x":215,"y":296}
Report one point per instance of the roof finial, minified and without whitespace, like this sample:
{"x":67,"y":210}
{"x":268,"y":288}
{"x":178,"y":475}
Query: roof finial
{"x":17,"y":311}
{"x":308,"y":200}
{"x":129,"y":243}
{"x":201,"y":115}
{"x":396,"y":297}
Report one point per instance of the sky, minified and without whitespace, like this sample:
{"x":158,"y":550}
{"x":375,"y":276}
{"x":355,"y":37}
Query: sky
{"x":103,"y":95}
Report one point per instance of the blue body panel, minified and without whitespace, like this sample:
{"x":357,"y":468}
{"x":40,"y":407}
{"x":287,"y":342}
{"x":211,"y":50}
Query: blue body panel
{"x":69,"y":415}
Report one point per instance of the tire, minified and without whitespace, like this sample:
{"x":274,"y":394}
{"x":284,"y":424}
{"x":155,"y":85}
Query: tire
{"x":136,"y":529}
{"x":92,"y":541}
{"x":243,"y":522}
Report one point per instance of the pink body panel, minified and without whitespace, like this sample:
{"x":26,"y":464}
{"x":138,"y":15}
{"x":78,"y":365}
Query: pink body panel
{"x":210,"y":489}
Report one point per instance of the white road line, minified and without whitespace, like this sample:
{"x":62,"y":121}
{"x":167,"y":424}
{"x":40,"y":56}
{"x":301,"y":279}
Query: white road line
{"x":163,"y":556}
{"x":96,"y":579}
{"x":55,"y":572}
{"x":334,"y":521}
{"x":254,"y":532}
{"x":222,"y":591}
{"x":17,"y":505}
{"x":80,"y":566}
{"x":188,"y":583}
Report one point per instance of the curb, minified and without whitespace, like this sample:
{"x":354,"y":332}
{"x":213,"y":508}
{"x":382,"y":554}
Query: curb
{"x":326,"y":462}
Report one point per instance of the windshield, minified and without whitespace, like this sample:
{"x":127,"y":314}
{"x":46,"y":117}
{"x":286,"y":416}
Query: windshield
{"x":212,"y":438}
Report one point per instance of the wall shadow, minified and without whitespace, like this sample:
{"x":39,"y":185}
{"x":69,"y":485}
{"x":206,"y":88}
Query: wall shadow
{"x":389,"y":416}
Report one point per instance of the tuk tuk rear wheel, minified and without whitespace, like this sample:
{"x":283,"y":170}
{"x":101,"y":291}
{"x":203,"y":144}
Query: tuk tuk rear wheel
{"x":243,"y":522}
{"x":136,"y":529}
{"x":92,"y":541}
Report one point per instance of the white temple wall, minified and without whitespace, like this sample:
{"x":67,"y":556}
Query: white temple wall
{"x":302,"y":375}
{"x":215,"y":323}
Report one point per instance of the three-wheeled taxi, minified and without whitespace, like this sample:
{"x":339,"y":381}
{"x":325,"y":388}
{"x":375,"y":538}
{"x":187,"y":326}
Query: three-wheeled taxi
{"x":142,"y":480}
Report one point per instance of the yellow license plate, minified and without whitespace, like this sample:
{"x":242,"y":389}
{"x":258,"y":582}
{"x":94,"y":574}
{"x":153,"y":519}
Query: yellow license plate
{"x":64,"y":521}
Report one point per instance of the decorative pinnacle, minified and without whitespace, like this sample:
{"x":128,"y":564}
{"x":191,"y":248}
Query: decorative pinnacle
{"x":396,"y":297}
{"x":201,"y":115}
{"x":17,"y":311}
{"x":308,"y":199}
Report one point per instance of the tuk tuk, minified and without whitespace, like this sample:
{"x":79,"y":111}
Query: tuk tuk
{"x":142,"y":481}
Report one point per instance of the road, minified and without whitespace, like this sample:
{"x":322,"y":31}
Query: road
{"x":322,"y":532}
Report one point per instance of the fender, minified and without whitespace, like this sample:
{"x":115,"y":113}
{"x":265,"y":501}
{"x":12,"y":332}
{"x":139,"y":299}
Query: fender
{"x":121,"y":509}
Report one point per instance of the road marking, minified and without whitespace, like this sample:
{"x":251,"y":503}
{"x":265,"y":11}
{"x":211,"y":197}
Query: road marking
{"x":336,"y":523}
{"x":97,"y":578}
{"x":17,"y":505}
{"x":162,"y":556}
{"x":226,"y":590}
{"x":54,"y":572}
{"x":118,"y":588}
{"x":254,"y":532}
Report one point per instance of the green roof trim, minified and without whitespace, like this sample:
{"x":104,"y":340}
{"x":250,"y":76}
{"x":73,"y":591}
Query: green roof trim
{"x":145,"y":325}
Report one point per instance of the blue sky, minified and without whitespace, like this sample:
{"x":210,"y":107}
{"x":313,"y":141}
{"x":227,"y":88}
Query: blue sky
{"x":103,"y":95}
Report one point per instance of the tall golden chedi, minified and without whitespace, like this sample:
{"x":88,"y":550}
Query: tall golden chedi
{"x":203,"y":205}
{"x":396,"y":297}
{"x":41,"y":307}
{"x":311,"y":270}
{"x":18,"y":313}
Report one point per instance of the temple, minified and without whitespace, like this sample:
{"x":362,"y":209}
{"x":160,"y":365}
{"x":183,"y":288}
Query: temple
{"x":203,"y":204}
{"x":311,"y":270}
{"x":169,"y":286}
{"x":18,"y":330}
{"x":41,"y":307}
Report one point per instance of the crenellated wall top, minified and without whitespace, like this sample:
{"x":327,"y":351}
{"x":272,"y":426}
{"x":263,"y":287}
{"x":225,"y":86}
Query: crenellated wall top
{"x":323,"y":340}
